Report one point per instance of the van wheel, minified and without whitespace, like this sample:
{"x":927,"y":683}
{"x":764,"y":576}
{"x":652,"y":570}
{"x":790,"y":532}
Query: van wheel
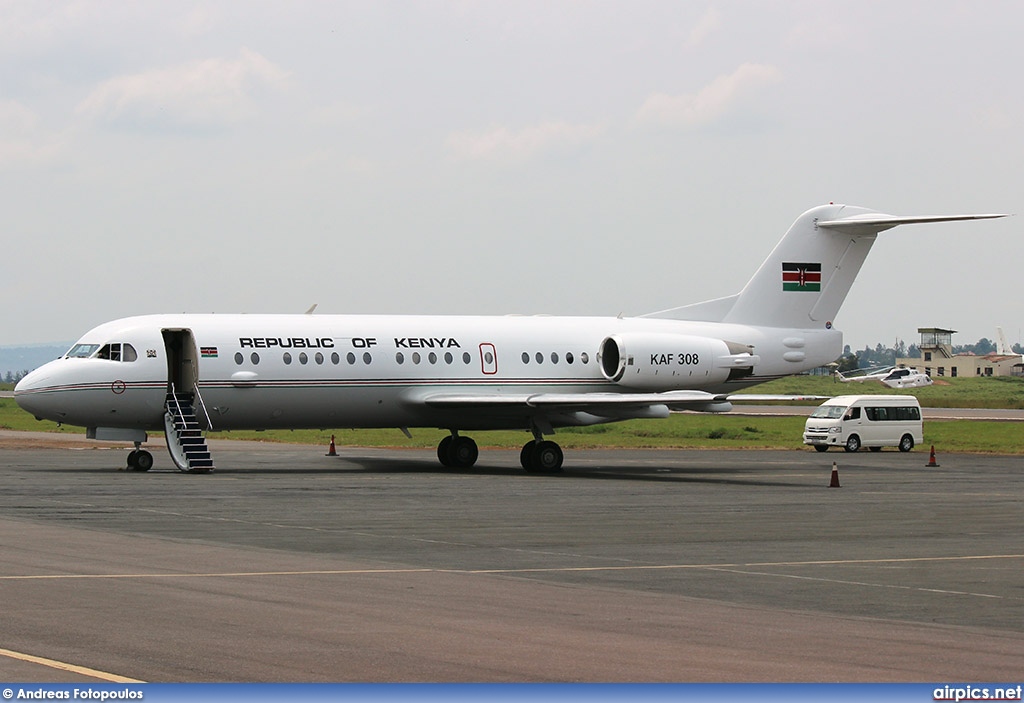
{"x":821,"y":447}
{"x":852,"y":444}
{"x":906,"y":443}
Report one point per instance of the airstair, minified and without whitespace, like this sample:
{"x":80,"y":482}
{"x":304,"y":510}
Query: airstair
{"x":184,"y":431}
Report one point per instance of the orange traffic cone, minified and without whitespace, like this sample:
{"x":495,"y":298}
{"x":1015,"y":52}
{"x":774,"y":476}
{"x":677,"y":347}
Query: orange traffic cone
{"x":931,"y":458}
{"x":331,"y":451}
{"x":834,"y":483}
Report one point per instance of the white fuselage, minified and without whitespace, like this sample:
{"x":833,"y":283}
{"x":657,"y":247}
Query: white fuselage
{"x":313,"y":371}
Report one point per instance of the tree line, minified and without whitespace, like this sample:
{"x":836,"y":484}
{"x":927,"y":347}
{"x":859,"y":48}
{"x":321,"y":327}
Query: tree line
{"x":882,"y":355}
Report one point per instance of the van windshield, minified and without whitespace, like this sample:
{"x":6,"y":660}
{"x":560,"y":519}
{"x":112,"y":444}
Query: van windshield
{"x":831,"y":412}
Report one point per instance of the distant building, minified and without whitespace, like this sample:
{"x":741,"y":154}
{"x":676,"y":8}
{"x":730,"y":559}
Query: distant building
{"x":938,"y":360}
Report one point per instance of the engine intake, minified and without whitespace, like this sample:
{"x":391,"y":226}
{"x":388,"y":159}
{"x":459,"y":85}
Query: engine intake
{"x":664,"y":362}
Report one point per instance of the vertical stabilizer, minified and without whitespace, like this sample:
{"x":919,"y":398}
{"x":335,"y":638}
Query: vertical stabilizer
{"x":804,"y":281}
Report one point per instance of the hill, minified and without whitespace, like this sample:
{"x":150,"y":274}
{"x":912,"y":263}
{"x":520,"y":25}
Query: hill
{"x":15,"y":361}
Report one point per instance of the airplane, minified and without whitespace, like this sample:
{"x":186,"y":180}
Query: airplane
{"x":187,"y":374}
{"x":894,"y":377}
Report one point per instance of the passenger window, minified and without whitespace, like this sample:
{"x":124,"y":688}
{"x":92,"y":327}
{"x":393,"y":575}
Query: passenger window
{"x":287,"y":358}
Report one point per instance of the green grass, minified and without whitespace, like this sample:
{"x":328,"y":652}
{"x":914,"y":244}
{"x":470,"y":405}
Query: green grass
{"x":994,"y":392}
{"x":684,"y":431}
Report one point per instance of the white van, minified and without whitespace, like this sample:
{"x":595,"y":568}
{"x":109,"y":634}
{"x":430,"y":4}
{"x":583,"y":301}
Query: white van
{"x":873,"y":421}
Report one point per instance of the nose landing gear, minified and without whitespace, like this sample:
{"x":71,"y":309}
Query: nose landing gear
{"x":139,"y":459}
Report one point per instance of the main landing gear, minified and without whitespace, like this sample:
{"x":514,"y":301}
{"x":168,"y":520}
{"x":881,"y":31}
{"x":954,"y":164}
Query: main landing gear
{"x":541,"y":456}
{"x":538,"y":456}
{"x":457,"y":452}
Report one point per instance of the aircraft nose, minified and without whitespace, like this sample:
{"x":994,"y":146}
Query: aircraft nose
{"x":30,"y":394}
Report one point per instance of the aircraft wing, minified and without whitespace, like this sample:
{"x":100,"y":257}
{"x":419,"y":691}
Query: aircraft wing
{"x":767,"y":397}
{"x":604,"y":404}
{"x":607,"y":403}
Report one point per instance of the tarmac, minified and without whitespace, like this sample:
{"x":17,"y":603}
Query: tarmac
{"x":379,"y":565}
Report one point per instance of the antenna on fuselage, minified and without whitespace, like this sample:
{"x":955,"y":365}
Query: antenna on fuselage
{"x":311,"y":309}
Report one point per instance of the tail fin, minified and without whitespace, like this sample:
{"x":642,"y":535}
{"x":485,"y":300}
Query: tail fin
{"x":805,"y":279}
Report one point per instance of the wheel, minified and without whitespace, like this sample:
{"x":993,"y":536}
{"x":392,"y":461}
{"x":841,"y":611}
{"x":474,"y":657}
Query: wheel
{"x":821,"y":447}
{"x":131,"y":460}
{"x":547,"y":457}
{"x":143,"y":460}
{"x":443,"y":454}
{"x":526,"y":455}
{"x":462,"y":452}
{"x":906,"y":443}
{"x":853,"y":443}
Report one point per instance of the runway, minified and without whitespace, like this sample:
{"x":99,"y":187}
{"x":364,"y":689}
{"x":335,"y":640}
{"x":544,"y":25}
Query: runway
{"x":287,"y":565}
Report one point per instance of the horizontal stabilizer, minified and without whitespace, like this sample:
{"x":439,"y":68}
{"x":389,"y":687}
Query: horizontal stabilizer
{"x":867,"y":223}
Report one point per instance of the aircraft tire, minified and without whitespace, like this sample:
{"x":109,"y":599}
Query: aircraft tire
{"x":462,"y":452}
{"x":443,"y":451}
{"x":140,"y":460}
{"x":526,"y":455}
{"x":542,"y":457}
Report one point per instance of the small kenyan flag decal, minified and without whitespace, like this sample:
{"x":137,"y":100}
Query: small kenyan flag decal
{"x":208,"y":352}
{"x":804,"y":277}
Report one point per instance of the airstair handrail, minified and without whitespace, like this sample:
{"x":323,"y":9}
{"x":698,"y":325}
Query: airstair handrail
{"x":202,"y":404}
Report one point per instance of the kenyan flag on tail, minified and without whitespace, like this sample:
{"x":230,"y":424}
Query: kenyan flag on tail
{"x":802,"y":277}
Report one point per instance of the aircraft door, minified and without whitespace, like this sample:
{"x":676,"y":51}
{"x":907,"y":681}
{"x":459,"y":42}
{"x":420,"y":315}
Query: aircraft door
{"x":488,"y":359}
{"x":182,"y":360}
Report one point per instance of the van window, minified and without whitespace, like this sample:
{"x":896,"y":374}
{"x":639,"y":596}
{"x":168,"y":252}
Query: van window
{"x":893,"y":414}
{"x":876,"y":414}
{"x":852,"y":414}
{"x":828,"y":412}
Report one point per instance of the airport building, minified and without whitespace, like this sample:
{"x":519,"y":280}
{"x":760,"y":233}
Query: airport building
{"x":938,"y":360}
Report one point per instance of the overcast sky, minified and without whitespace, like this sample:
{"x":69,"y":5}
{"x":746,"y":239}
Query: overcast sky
{"x":500,"y":157}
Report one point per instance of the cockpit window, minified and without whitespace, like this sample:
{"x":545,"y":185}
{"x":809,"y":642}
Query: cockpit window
{"x":82,"y":351}
{"x":117,"y":352}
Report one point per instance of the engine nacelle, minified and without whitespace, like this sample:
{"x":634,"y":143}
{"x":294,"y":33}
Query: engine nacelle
{"x":655,"y":361}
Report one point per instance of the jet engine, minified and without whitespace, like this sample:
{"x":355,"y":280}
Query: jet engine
{"x":662,"y":362}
